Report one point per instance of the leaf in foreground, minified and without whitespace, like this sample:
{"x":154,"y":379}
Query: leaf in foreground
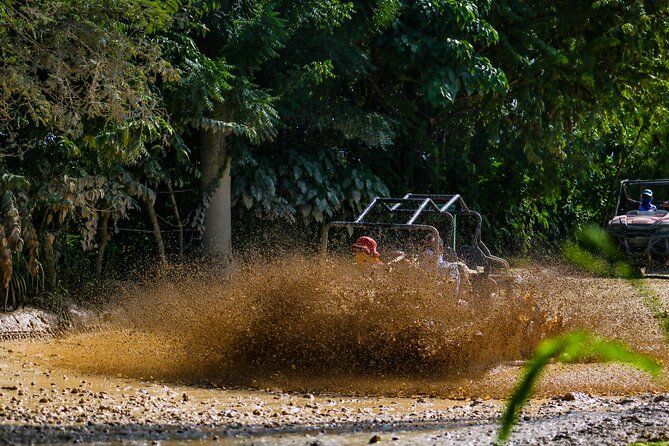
{"x":567,"y":348}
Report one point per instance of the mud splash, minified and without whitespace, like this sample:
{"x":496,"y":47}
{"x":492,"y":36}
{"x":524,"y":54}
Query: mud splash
{"x":301,"y":323}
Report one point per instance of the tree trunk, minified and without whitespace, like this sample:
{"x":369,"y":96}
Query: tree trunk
{"x":217,"y":235}
{"x":175,"y":209}
{"x":151,"y":210}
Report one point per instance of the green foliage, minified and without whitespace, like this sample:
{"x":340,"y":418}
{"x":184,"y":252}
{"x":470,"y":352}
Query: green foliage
{"x":595,"y":251}
{"x":80,"y":104}
{"x":568,"y":348}
{"x":527,"y":110}
{"x":547,"y":150}
{"x":85,"y":199}
{"x":79,"y":68}
{"x":310,"y":187}
{"x":437,"y":48}
{"x":340,"y":86}
{"x":9,"y":181}
{"x":264,"y":38}
{"x":385,"y":12}
{"x":215,"y":89}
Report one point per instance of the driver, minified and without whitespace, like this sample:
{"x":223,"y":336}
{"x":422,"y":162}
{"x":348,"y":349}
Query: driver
{"x":365,"y":252}
{"x":647,"y":201}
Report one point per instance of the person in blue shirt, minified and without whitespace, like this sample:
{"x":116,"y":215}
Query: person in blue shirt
{"x":647,"y":201}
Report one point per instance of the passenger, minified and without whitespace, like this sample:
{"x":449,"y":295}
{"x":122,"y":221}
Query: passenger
{"x":647,"y":201}
{"x":365,"y":252}
{"x":458,"y":272}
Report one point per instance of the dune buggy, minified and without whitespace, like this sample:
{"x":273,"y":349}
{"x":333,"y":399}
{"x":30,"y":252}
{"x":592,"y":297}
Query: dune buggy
{"x":643,"y":235}
{"x":445,"y":217}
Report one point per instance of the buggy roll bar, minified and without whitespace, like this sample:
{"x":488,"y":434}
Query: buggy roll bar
{"x":417,"y":205}
{"x":659,"y":182}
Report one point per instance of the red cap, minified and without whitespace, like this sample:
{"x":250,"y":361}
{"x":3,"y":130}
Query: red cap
{"x":367,"y":244}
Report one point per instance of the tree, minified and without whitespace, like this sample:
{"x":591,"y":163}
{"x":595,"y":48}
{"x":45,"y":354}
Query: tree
{"x":349,"y":97}
{"x":82,"y":70}
{"x":518,"y":154}
{"x":233,"y":98}
{"x":219,"y":100}
{"x":586,"y":82}
{"x":78,"y":99}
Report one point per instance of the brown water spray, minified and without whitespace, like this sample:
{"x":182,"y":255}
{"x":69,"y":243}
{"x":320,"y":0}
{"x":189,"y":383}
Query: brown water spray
{"x":303,"y":320}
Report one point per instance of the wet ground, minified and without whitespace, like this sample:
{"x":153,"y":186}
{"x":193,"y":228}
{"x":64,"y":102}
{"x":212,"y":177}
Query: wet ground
{"x":295,"y":358}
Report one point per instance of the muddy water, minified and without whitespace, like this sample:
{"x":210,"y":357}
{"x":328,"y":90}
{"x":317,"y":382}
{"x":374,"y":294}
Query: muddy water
{"x":300,"y":350}
{"x":305,"y":325}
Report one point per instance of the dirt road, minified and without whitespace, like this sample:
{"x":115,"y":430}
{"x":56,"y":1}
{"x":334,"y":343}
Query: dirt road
{"x":167,"y":368}
{"x":43,"y":404}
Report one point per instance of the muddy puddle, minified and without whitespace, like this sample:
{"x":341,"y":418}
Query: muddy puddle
{"x":299,"y":350}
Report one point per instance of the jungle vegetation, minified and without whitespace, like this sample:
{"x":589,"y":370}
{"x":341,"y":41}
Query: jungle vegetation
{"x":162,"y":129}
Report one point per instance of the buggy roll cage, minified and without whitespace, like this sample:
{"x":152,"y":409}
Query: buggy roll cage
{"x":416,"y":206}
{"x":623,"y":192}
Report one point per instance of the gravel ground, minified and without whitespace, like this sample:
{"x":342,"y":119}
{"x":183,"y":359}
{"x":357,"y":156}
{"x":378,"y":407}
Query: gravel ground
{"x":47,"y":405}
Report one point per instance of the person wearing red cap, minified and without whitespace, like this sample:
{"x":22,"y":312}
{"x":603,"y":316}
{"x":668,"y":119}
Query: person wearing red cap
{"x":365,"y":252}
